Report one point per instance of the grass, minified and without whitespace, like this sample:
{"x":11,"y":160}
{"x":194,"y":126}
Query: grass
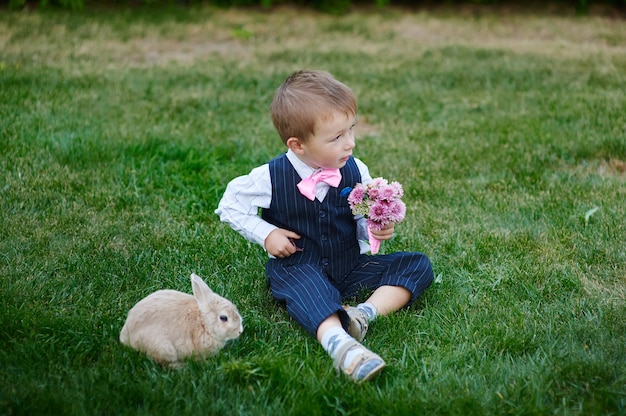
{"x":120,"y":131}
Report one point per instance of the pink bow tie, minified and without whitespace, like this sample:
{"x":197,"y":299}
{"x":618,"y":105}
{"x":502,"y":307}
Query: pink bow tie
{"x":308,"y":185}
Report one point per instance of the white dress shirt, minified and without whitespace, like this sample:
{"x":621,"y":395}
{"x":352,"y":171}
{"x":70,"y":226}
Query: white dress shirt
{"x":244,"y":195}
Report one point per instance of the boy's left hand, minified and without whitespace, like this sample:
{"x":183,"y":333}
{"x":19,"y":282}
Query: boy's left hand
{"x":383,"y":234}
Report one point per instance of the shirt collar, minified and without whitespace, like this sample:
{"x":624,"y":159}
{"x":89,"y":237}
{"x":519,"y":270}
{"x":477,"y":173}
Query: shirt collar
{"x":301,"y":168}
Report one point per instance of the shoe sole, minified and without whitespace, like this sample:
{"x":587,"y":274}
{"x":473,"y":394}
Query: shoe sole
{"x":372,"y":374}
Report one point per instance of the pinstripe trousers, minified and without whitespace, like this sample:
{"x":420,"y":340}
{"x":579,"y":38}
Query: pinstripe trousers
{"x":311,"y":296}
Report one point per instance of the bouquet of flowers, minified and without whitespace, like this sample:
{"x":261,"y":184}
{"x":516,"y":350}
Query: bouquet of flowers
{"x":380,"y":203}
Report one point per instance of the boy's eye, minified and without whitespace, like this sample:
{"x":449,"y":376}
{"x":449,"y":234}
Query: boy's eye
{"x":341,"y":135}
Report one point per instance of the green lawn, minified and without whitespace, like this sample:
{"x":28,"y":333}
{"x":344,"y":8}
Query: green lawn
{"x":120,"y":130}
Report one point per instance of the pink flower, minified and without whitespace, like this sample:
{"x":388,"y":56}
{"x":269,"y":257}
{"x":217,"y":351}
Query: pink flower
{"x":372,"y":193}
{"x":379,"y":202}
{"x":387,"y":193}
{"x":397,"y":211}
{"x":398,"y":189}
{"x":379,"y":212}
{"x":378,"y":182}
{"x":357,"y":194}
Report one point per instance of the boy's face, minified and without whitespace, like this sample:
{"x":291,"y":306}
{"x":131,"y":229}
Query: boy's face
{"x":331,"y":145}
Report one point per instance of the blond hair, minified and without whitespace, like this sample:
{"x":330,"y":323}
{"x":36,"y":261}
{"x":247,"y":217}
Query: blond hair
{"x":306,"y":97}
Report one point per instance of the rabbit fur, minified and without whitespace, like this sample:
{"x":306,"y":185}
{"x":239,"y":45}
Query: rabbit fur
{"x":170,"y":326}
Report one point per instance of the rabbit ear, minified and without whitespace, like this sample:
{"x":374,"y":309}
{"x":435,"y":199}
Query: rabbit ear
{"x":201,"y":291}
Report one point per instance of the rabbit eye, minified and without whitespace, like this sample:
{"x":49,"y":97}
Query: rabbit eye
{"x":223,"y":318}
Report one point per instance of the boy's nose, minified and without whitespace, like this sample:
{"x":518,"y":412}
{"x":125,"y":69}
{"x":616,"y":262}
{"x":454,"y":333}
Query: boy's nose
{"x":350,"y":142}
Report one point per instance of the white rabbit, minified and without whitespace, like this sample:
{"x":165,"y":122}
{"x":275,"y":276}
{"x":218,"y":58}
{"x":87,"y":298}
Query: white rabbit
{"x":170,"y":326}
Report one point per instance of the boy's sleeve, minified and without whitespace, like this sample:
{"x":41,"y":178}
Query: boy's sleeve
{"x":239,"y":206}
{"x":361,"y":222}
{"x":364,"y":171}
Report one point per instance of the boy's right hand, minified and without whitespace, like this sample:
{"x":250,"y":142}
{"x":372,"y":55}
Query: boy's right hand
{"x":279,"y":243}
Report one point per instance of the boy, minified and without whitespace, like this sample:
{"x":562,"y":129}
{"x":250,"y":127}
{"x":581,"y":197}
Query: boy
{"x":309,"y":231}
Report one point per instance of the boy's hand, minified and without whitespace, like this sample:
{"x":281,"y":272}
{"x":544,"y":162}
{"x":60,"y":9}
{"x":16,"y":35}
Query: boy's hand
{"x":279,"y":243}
{"x":384,"y":234}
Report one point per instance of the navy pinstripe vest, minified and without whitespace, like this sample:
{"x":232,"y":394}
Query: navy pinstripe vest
{"x":327,"y":228}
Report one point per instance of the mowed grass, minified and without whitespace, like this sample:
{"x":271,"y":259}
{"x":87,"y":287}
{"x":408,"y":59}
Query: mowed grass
{"x":120,"y":130}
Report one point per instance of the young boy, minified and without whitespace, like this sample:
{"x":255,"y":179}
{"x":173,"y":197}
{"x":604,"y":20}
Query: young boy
{"x":307,"y":227}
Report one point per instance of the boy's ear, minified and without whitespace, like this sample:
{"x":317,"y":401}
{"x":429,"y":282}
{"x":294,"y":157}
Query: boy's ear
{"x":295,"y":145}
